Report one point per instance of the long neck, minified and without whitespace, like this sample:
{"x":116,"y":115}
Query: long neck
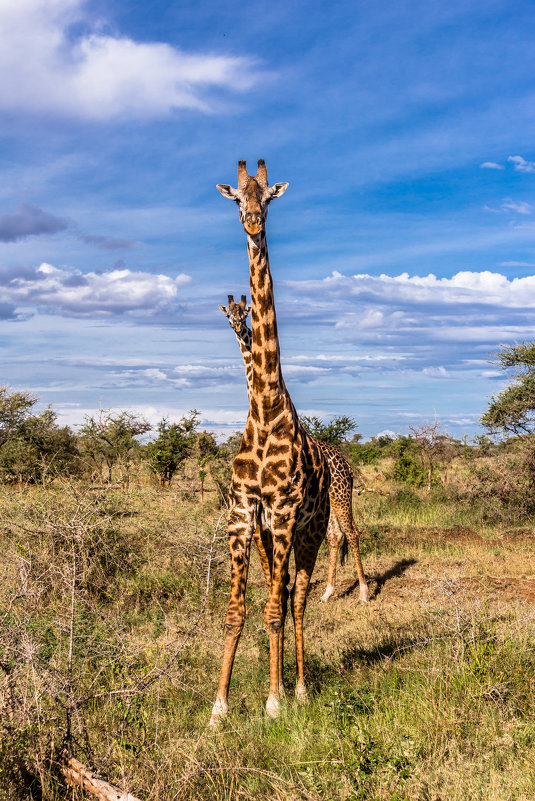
{"x":245,"y":341}
{"x":268,"y":391}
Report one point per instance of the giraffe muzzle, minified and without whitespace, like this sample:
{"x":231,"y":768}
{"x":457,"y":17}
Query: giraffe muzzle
{"x":253,"y":223}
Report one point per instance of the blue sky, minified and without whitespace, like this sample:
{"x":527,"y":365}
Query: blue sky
{"x":403,"y":253}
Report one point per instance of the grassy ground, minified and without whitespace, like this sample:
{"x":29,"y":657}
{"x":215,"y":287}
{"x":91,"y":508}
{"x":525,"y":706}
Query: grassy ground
{"x":111,"y":609}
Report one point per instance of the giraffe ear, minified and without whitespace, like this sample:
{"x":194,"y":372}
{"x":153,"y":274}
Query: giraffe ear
{"x":223,"y":309}
{"x":228,"y":191}
{"x":278,"y":189}
{"x":248,"y":310}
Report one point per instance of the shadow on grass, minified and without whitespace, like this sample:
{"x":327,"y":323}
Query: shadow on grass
{"x":397,"y":570}
{"x":319,"y":672}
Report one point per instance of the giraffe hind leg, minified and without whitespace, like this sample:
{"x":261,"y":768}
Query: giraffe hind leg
{"x":344,"y":513}
{"x":306,"y":551}
{"x":334,"y":537}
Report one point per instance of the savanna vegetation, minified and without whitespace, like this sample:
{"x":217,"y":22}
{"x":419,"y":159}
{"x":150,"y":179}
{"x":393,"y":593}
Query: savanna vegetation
{"x":114,"y":585}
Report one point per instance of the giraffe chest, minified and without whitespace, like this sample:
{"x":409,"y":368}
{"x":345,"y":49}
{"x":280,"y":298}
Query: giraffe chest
{"x":282,"y":474}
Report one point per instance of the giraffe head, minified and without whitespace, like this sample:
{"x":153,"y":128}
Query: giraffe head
{"x":253,"y":196}
{"x":236,"y":313}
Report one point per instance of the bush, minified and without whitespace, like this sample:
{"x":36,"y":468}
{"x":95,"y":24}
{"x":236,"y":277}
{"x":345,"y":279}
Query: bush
{"x":505,"y":484}
{"x":407,"y":468}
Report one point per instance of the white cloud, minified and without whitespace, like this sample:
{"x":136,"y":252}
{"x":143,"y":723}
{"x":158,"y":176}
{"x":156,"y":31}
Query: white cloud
{"x":436,"y":372}
{"x":303,"y":373}
{"x":155,"y":373}
{"x":518,"y":206}
{"x":70,"y":292}
{"x":491,"y":165}
{"x":97,"y":76}
{"x":206,"y":371}
{"x":388,"y":433}
{"x":370,"y":319}
{"x":521,"y":165}
{"x":465,"y":287}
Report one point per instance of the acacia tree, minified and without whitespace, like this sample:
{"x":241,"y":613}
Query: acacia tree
{"x":14,"y":408}
{"x":39,"y":450}
{"x":109,"y":439}
{"x":512,"y":411}
{"x":206,"y":451}
{"x":32,"y":446}
{"x":172,"y":447}
{"x":435,"y":447}
{"x":335,"y":432}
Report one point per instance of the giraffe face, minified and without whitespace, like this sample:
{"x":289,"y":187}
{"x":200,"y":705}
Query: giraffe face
{"x":253,"y":197}
{"x":236,"y":314}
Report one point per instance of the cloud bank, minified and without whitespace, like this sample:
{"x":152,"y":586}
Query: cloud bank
{"x":484,"y":288}
{"x":72,"y":293}
{"x":101,"y":77}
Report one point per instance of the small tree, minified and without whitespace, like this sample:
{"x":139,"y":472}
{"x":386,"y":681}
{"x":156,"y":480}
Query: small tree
{"x":335,"y":432}
{"x":32,"y":446}
{"x":206,"y":451}
{"x":110,"y":439}
{"x":172,"y":447}
{"x":39,"y":450}
{"x":407,"y":467}
{"x":14,"y":408}
{"x":434,"y":446}
{"x":512,"y":411}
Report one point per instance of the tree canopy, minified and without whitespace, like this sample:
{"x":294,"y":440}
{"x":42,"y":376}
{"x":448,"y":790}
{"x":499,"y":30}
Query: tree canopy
{"x":512,"y":411}
{"x":173,"y":445}
{"x":334,"y":432}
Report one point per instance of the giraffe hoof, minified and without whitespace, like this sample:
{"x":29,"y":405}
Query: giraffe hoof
{"x":219,"y":713}
{"x":301,"y":694}
{"x":327,"y":594}
{"x":364,"y":593}
{"x":272,"y":707}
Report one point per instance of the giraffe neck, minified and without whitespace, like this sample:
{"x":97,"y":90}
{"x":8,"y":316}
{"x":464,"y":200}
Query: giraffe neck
{"x":245,"y":338}
{"x":268,"y":394}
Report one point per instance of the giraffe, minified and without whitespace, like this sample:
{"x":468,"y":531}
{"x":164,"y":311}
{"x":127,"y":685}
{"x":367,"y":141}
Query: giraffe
{"x":280,"y":479}
{"x":341,"y":490}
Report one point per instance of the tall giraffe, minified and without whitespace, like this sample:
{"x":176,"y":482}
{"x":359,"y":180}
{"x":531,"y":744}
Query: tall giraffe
{"x":341,"y":490}
{"x":280,"y":477}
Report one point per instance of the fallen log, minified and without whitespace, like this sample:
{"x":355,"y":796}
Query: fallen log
{"x":76,"y":775}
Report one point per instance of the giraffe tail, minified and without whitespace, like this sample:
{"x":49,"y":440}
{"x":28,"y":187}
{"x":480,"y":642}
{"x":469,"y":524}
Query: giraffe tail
{"x":343,"y":551}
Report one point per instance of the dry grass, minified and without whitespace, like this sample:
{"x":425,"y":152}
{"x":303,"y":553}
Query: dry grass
{"x":426,"y":693}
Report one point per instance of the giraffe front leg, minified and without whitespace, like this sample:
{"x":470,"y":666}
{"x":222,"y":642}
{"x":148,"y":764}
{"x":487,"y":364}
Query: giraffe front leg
{"x":264,"y":543}
{"x":334,"y":537}
{"x":240,"y":530}
{"x":274,"y":615}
